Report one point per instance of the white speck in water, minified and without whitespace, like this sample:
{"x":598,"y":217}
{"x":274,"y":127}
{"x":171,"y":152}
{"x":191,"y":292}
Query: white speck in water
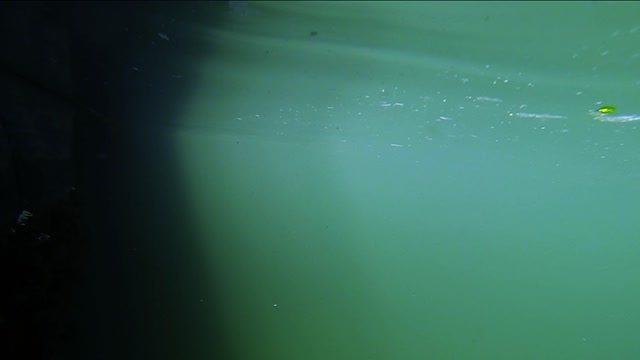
{"x":275,"y":305}
{"x":163,"y":36}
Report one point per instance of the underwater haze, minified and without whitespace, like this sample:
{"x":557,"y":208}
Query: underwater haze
{"x":419,"y":180}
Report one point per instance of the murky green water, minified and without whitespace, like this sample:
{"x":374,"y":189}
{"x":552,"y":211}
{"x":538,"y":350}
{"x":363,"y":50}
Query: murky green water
{"x":420,"y":180}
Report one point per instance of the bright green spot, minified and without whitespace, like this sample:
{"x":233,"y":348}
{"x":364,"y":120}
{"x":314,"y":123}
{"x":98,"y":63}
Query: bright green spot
{"x":607,"y":109}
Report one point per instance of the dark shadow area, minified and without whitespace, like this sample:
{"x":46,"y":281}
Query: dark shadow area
{"x":97,"y":255}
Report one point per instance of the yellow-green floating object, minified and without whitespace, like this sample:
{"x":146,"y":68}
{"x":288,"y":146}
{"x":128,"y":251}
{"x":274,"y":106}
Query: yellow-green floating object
{"x":607,"y":109}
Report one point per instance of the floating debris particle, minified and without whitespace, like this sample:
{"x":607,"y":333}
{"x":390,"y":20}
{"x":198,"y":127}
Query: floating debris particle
{"x":605,"y":117}
{"x":537,"y":116}
{"x":489,"y":99}
{"x":163,"y":36}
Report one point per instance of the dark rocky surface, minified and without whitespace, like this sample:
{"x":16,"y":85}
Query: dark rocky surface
{"x":84,"y":193}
